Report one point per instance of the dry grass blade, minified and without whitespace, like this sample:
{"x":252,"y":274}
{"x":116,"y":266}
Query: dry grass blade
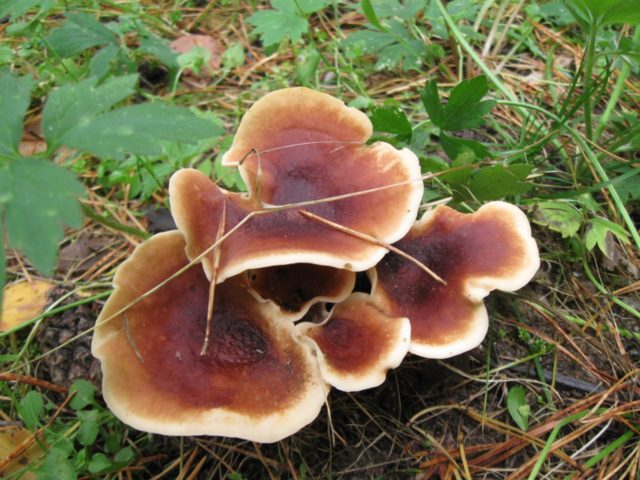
{"x":217,"y":254}
{"x":375,"y":241}
{"x":130,"y":339}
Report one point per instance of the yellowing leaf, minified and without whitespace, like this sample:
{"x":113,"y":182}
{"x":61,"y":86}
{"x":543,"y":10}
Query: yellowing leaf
{"x":9,"y":440}
{"x":23,"y":301}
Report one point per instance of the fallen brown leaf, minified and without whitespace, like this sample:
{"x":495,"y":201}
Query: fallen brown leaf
{"x":23,"y":301}
{"x":185,"y":43}
{"x":9,"y":440}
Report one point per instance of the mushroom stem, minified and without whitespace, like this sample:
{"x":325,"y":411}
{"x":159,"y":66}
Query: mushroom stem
{"x":217,"y":254}
{"x":369,"y":238}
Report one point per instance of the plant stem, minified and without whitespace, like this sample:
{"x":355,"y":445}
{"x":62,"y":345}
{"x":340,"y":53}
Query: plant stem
{"x":595,"y":162}
{"x":588,"y":60}
{"x":617,"y":92}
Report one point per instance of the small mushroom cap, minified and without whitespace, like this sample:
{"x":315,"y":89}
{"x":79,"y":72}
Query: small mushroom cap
{"x":256,"y":380}
{"x":474,"y":253}
{"x":295,"y":288}
{"x":307,"y":146}
{"x":286,"y":237}
{"x":358,"y":344}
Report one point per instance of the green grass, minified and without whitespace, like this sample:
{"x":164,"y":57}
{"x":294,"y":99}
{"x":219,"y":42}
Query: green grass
{"x":550,"y":124}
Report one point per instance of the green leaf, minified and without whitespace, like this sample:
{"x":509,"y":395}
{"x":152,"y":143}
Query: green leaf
{"x":41,"y":198}
{"x":3,"y":261}
{"x":518,"y":407}
{"x":74,"y":105}
{"x":599,"y":230}
{"x":15,"y":96}
{"x":89,"y":427}
{"x":495,"y":182}
{"x":79,"y":33}
{"x":559,"y":216}
{"x":101,"y":61}
{"x":99,"y":463}
{"x":139,"y":129}
{"x":431,"y":102}
{"x":406,"y":10}
{"x":124,"y":456}
{"x":455,"y":146}
{"x":273,"y":26}
{"x":6,"y":54}
{"x":394,"y":46}
{"x":229,"y":177}
{"x":56,"y":464}
{"x":84,"y":392}
{"x":623,"y":12}
{"x":602,"y":12}
{"x":159,"y":48}
{"x":31,"y":408}
{"x":432,"y":164}
{"x":465,"y":107}
{"x":370,"y":13}
{"x":392,"y":120}
{"x":307,"y":65}
{"x":233,"y":56}
{"x":15,"y":8}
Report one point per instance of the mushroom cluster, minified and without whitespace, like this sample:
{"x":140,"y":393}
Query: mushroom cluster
{"x":239,"y":322}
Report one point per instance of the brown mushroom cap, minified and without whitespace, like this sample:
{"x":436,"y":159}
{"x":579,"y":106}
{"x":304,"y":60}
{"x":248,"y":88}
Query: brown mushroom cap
{"x":474,"y":253}
{"x":309,"y":146}
{"x":256,"y":381}
{"x":295,"y":288}
{"x":358,"y":344}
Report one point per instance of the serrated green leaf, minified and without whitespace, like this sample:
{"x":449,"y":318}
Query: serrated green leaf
{"x":285,"y":21}
{"x":311,"y":6}
{"x":431,"y":102}
{"x":465,"y":107}
{"x":495,"y":182}
{"x":599,"y":229}
{"x":394,"y":46}
{"x":139,"y":129}
{"x":233,"y":56}
{"x":80,"y":32}
{"x":41,"y":198}
{"x":454,"y":147}
{"x":370,"y":14}
{"x":603,"y":12}
{"x":518,"y":407}
{"x":432,"y":164}
{"x":31,"y":408}
{"x":392,"y":120}
{"x":558,"y":216}
{"x":15,"y":96}
{"x":406,"y":10}
{"x":74,"y":105}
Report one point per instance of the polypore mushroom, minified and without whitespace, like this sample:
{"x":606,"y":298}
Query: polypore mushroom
{"x":295,"y":288}
{"x":256,"y":380}
{"x":297,"y":145}
{"x":474,"y":253}
{"x":358,"y":343}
